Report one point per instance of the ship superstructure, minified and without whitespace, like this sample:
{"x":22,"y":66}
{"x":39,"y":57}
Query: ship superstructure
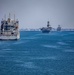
{"x":9,"y":29}
{"x":46,"y":29}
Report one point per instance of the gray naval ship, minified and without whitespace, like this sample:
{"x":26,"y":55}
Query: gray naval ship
{"x":46,"y":29}
{"x":59,"y":28}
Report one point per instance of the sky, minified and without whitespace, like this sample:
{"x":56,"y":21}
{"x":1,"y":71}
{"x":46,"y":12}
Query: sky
{"x":36,"y":13}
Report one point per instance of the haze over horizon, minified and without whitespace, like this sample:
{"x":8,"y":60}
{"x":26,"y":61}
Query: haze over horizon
{"x":36,"y":13}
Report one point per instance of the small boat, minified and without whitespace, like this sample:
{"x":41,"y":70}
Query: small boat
{"x":9,"y":29}
{"x":46,"y":29}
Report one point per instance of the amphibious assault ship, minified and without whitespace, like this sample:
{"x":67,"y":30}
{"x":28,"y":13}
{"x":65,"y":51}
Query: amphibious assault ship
{"x":9,"y":29}
{"x":46,"y":29}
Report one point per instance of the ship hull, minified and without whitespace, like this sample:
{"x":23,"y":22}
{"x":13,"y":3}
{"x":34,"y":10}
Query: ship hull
{"x":45,"y":31}
{"x":2,"y":37}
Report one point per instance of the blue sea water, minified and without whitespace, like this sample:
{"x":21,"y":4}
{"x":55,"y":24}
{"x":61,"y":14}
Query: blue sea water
{"x":38,"y":53}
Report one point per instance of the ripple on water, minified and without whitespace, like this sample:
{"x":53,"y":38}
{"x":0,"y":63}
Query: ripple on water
{"x":44,"y":58}
{"x":6,"y":49}
{"x":50,"y":46}
{"x":20,"y":42}
{"x":68,"y":50}
{"x":30,"y":37}
{"x":29,"y":65}
{"x":62,"y":43}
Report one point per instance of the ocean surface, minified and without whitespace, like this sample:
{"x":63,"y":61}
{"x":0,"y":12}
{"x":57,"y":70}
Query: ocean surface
{"x":38,"y":53}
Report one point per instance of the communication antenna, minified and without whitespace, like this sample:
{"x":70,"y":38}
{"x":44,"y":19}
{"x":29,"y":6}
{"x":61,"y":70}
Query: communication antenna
{"x":9,"y":15}
{"x":5,"y":16}
{"x":14,"y":17}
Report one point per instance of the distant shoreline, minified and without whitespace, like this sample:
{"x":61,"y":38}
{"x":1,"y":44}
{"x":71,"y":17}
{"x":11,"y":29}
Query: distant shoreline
{"x":40,"y":30}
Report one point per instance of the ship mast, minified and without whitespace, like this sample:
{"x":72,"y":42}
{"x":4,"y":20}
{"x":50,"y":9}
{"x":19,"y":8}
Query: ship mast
{"x":5,"y":17}
{"x":14,"y":17}
{"x":9,"y":15}
{"x":9,"y":18}
{"x":48,"y":24}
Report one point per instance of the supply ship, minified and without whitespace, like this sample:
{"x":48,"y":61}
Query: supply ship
{"x":9,"y":29}
{"x":46,"y":29}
